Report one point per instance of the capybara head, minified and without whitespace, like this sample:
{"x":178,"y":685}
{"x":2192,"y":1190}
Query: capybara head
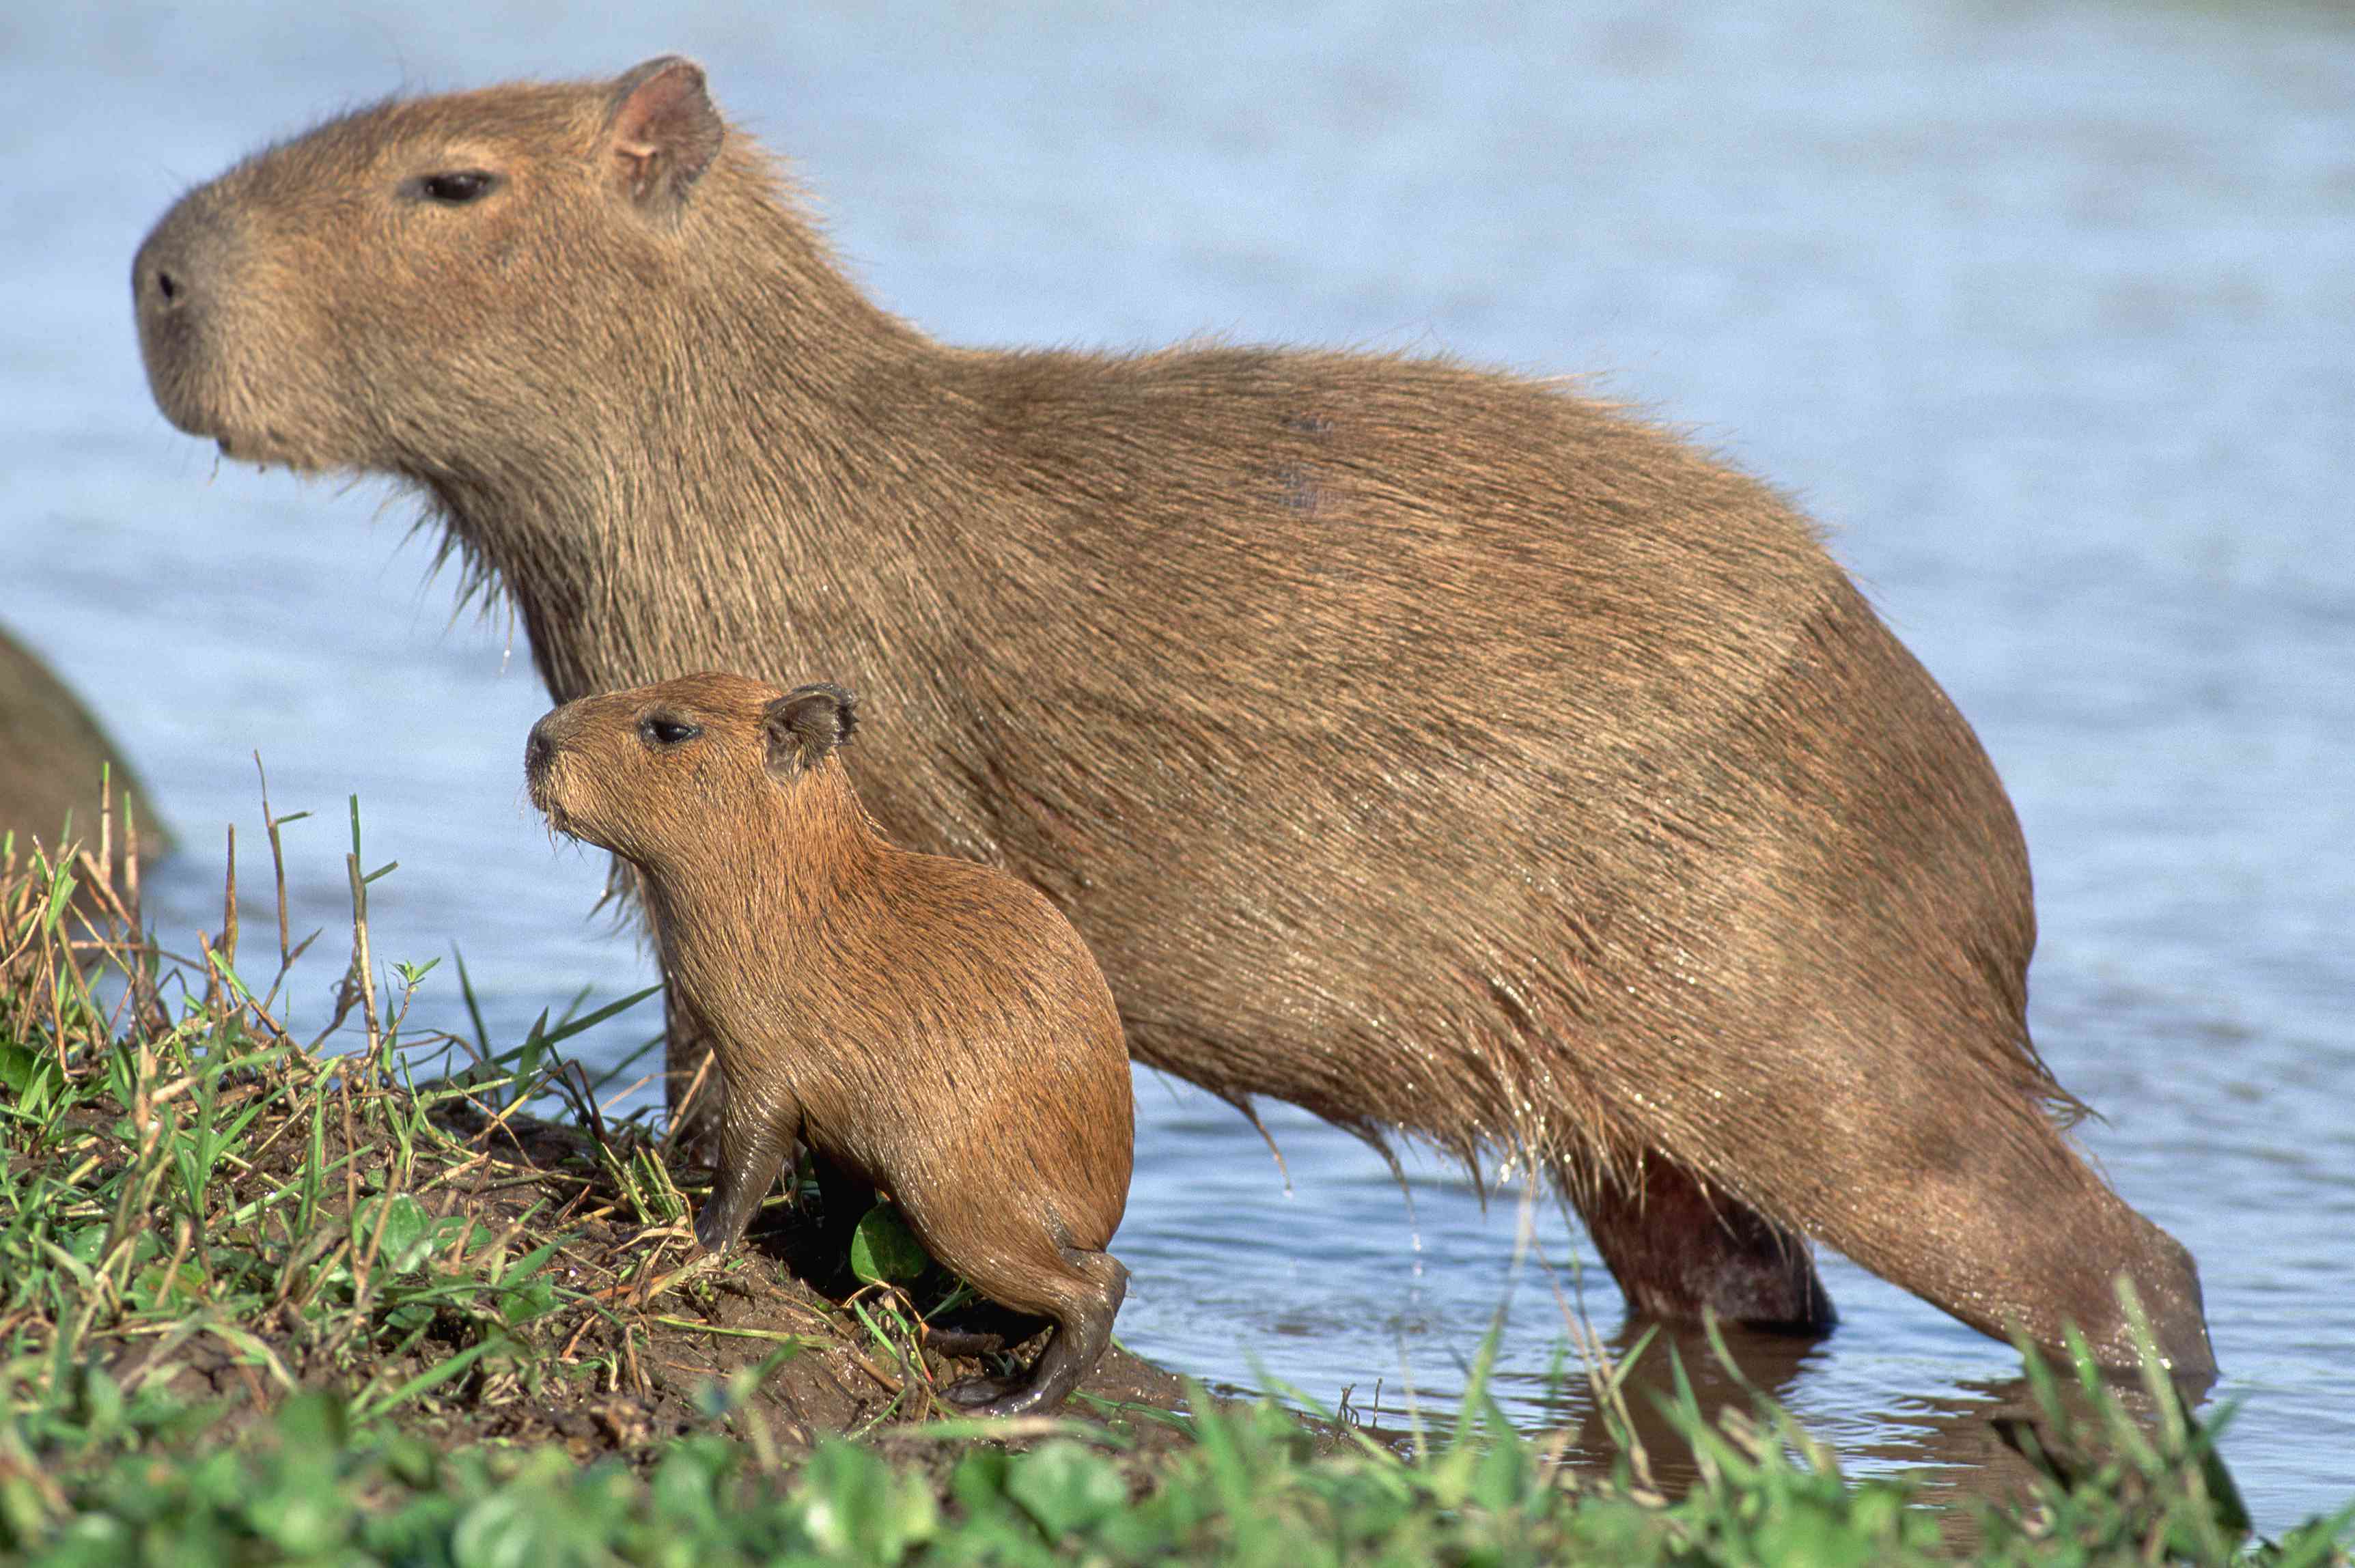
{"x":654,"y":771}
{"x":440,"y":243}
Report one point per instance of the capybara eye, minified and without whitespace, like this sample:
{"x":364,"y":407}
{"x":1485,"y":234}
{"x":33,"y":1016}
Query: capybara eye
{"x":454,"y":187}
{"x":662,"y":730}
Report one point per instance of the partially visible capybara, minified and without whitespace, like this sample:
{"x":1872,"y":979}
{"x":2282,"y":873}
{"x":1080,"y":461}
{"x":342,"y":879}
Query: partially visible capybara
{"x":1435,"y":749}
{"x":55,"y":764}
{"x":927,"y":1026}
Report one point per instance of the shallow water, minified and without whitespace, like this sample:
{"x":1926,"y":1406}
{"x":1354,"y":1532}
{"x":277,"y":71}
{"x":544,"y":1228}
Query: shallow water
{"x":2044,"y":309}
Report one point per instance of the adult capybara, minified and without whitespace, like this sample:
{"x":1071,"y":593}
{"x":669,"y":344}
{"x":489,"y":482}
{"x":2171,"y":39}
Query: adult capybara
{"x":56,"y":766}
{"x":1437,"y":749}
{"x":927,"y":1026}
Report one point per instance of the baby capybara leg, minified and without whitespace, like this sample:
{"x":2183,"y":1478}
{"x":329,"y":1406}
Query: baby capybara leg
{"x":753,"y":1150}
{"x":1679,"y":1251}
{"x":1086,"y":1302}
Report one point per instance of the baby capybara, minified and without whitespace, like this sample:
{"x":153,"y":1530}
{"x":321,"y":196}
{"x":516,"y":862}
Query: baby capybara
{"x":1435,"y":749}
{"x":930,"y":1026}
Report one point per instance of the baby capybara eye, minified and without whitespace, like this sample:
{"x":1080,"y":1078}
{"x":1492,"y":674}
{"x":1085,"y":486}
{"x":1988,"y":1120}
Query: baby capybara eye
{"x":662,"y":730}
{"x":453,"y":188}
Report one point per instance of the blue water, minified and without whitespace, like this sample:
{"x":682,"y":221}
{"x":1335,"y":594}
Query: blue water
{"x":2044,"y":309}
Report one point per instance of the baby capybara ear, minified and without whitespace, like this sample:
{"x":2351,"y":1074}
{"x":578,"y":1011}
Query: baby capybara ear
{"x":805,"y":725}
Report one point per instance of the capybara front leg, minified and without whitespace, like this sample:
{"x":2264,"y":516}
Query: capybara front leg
{"x":1679,"y":1251}
{"x":1082,"y":1331}
{"x":752,"y":1149}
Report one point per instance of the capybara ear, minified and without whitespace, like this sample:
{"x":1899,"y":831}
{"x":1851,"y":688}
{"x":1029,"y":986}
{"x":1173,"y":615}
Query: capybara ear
{"x":805,"y":725}
{"x":662,"y":132}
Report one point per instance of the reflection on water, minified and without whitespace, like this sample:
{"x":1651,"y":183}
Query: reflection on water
{"x":1950,"y":1439}
{"x":2045,"y":310}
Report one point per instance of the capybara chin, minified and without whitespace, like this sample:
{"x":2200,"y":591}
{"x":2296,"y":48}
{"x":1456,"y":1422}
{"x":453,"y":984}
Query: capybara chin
{"x":929,"y":1026}
{"x":1435,"y":749}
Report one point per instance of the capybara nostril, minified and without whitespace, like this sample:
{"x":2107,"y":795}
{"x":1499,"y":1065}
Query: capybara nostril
{"x":164,"y":274}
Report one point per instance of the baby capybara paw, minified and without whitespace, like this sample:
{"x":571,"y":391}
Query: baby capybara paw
{"x":713,"y":1233}
{"x":1001,"y":1396}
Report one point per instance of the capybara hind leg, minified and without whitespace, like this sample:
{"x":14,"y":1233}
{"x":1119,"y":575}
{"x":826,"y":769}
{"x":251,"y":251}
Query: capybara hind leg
{"x":1083,"y":1329}
{"x":1679,"y":1252}
{"x":753,"y":1150}
{"x":2020,"y":1234}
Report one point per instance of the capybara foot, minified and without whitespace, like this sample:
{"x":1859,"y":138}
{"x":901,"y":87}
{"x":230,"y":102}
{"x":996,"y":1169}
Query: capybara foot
{"x":1052,"y":1378}
{"x":751,"y":1159}
{"x":993,"y":1396}
{"x":1048,"y":1383}
{"x":1072,"y":1350}
{"x":712,"y":1232}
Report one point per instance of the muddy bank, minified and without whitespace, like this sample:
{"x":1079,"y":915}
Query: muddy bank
{"x":663,"y":1328}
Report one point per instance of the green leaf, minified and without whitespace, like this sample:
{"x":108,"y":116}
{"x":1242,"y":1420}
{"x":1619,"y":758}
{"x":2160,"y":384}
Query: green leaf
{"x":183,"y":1286}
{"x":979,"y":1482}
{"x":314,"y":1424}
{"x":855,"y":1508}
{"x":33,"y":1080}
{"x":101,"y":1401}
{"x":18,"y":1066}
{"x":505,"y":1529}
{"x":883,"y":1248}
{"x":2231,"y":1513}
{"x":84,"y":1243}
{"x":1065,"y":1488}
{"x":408,"y":1318}
{"x":408,"y":1234}
{"x":61,"y":892}
{"x":686,"y":1486}
{"x":1501,"y":1480}
{"x":535,"y":1298}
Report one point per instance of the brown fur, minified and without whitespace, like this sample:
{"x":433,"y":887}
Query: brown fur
{"x":1432,"y":748}
{"x":53,"y":760}
{"x":930,"y":1026}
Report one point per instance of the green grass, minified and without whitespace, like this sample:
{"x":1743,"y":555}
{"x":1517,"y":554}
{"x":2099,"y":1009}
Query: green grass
{"x":264,"y":1303}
